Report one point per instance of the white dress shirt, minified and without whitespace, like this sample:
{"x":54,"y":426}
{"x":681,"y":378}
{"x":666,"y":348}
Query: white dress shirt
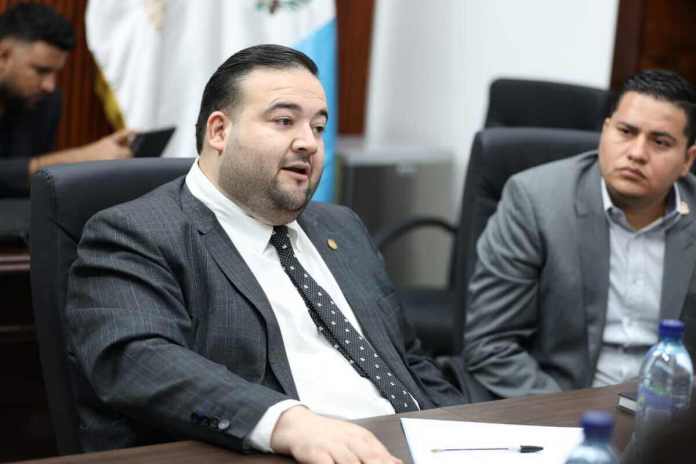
{"x":325,"y":381}
{"x":635,"y":289}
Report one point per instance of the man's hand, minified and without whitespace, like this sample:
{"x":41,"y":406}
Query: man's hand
{"x":114,"y":146}
{"x":310,"y":438}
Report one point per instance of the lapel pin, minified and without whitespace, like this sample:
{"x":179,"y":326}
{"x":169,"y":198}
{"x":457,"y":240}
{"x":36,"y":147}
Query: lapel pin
{"x":683,"y":208}
{"x":332,"y":244}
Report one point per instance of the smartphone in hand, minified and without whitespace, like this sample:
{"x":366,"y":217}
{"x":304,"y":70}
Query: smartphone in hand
{"x":151,"y":143}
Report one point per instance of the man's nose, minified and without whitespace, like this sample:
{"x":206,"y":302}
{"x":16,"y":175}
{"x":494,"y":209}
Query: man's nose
{"x":638,"y":151}
{"x":306,"y":140}
{"x":48,"y":83}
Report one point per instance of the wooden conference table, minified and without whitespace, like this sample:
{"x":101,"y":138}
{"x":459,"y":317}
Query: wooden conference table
{"x":558,"y":409}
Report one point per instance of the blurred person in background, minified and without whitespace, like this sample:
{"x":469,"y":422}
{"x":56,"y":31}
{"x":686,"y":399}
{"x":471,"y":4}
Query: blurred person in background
{"x":34,"y":45}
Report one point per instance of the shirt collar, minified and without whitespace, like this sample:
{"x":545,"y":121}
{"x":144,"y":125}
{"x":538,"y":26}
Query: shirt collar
{"x":248,"y":232}
{"x":615,"y":214}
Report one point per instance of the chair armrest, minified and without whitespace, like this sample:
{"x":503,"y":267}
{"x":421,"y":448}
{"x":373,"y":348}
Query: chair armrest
{"x":390,"y":233}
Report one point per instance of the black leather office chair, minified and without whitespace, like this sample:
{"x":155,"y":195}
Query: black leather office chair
{"x":438,"y":315}
{"x":496,"y":155}
{"x":531,"y":103}
{"x":428,"y":309}
{"x":63,"y":198}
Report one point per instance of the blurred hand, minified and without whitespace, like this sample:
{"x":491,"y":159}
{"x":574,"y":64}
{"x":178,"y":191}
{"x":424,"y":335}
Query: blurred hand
{"x":114,"y":146}
{"x":313,"y":439}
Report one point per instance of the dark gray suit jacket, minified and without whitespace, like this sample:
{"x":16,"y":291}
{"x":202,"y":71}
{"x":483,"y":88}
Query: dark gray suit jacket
{"x":171,"y":335}
{"x":538,"y":296}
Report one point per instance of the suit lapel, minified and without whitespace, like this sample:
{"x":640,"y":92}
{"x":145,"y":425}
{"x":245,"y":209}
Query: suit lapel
{"x":342,"y":268}
{"x":240,"y":276}
{"x":594,"y":251}
{"x":594,"y":254}
{"x":362,"y":301}
{"x":680,"y":257}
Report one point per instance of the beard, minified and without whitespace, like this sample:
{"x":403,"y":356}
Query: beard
{"x":11,"y":100}
{"x":242,"y":180}
{"x":291,"y":201}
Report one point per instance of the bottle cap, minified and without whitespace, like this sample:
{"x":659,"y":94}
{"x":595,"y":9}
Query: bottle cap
{"x":671,"y":328}
{"x":597,"y":425}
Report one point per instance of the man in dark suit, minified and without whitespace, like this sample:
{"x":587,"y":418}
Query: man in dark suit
{"x":34,"y":45}
{"x":224,"y":306}
{"x":584,"y":256}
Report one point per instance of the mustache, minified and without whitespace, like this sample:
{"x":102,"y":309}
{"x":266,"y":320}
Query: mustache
{"x":302,"y":162}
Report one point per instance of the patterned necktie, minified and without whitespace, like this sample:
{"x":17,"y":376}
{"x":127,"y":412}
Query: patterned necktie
{"x":340,"y":333}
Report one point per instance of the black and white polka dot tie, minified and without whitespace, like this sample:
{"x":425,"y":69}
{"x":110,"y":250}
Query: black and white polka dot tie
{"x":331,"y":322}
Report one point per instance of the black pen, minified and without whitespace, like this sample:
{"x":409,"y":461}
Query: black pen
{"x":519,"y":449}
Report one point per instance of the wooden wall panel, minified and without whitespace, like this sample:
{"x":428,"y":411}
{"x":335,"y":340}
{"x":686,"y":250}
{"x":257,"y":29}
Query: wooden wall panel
{"x":354,"y":23}
{"x":629,"y":28}
{"x":668,"y":40}
{"x":654,"y":34}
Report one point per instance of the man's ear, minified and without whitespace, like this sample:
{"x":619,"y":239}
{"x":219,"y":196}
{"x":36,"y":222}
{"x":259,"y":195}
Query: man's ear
{"x":606,"y":122}
{"x":5,"y":49}
{"x":217,"y":130}
{"x":690,"y":155}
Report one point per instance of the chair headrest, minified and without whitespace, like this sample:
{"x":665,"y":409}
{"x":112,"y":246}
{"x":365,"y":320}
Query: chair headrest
{"x":78,"y":191}
{"x":534,"y":103}
{"x":501,"y":152}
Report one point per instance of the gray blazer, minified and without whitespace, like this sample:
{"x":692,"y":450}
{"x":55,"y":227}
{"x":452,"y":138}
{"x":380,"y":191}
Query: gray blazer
{"x":172,"y":336}
{"x":538,"y":296}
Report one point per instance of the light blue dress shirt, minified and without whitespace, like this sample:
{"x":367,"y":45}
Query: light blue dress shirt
{"x":635,"y":288}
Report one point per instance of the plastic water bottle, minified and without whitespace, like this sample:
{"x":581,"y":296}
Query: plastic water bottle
{"x":595,"y":448}
{"x":666,"y":378}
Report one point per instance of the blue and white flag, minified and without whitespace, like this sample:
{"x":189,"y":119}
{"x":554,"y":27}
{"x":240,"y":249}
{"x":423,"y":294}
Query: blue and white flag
{"x":155,"y":57}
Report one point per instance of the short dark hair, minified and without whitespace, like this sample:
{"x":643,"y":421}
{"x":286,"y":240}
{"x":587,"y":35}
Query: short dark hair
{"x":33,"y":22}
{"x":222,"y":90}
{"x":668,"y":86}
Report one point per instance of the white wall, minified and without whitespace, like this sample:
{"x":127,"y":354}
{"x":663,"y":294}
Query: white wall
{"x":432,"y":62}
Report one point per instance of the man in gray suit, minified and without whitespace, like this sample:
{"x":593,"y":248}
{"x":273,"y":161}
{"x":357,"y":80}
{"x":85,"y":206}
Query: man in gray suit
{"x":584,"y":256}
{"x":225,"y":307}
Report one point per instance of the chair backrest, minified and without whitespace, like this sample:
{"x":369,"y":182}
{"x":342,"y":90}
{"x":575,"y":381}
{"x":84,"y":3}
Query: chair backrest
{"x":529,"y":103}
{"x":63,"y":198}
{"x":497,"y":154}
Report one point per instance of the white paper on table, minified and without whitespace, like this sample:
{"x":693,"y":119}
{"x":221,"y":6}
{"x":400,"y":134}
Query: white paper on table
{"x":424,"y":435}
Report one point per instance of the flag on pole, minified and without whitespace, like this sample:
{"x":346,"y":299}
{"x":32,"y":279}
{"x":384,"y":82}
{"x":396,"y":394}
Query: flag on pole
{"x":155,"y":56}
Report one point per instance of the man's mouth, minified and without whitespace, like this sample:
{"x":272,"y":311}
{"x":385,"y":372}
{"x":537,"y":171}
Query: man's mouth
{"x":299,"y":168}
{"x":32,"y":100}
{"x":632,"y":173}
